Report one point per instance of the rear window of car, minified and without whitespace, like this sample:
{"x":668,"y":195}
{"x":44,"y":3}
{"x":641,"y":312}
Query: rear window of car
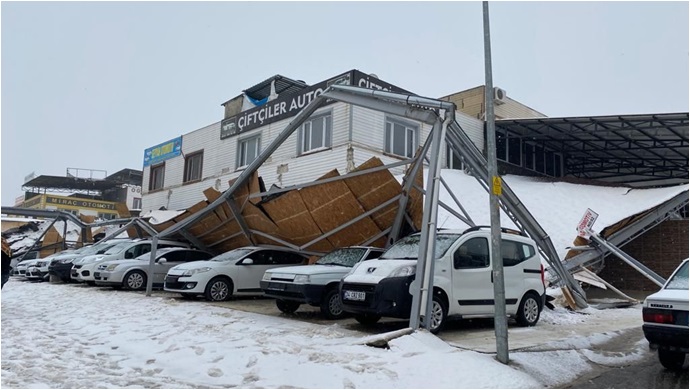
{"x":679,"y":280}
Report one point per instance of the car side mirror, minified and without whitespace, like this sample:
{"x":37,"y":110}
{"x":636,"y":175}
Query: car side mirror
{"x":162,"y":260}
{"x":248,"y":261}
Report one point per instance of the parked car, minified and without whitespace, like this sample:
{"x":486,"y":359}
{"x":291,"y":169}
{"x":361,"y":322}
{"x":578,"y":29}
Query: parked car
{"x":236,"y":272}
{"x":315,"y":284}
{"x":84,"y":268}
{"x":39,"y":269}
{"x":665,"y":316}
{"x":132,"y":274}
{"x":463,"y":279}
{"x":18,"y":257}
{"x":61,"y":265}
{"x":22,"y":267}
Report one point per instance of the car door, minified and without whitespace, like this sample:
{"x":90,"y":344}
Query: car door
{"x":473,"y":291}
{"x":250,"y":269}
{"x":160,"y":269}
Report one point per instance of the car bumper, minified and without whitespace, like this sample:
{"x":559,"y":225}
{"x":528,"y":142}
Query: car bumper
{"x":36,"y":273}
{"x":184,"y":284}
{"x":660,"y":336}
{"x":61,"y":270}
{"x":304,"y":293}
{"x":388,"y":298}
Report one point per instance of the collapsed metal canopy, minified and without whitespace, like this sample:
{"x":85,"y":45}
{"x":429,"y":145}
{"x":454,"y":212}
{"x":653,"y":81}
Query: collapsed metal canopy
{"x":638,"y":150}
{"x":46,"y":183}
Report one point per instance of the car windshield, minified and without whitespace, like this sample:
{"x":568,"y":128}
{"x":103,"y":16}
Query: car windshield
{"x":679,"y":280}
{"x":346,"y":257}
{"x":234,"y":254}
{"x":117,"y":248}
{"x":408,"y":247}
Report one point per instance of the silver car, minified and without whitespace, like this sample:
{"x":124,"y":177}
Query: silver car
{"x":132,"y":274}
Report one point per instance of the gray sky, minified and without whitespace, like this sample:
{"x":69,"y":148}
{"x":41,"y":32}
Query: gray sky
{"x":91,"y":85}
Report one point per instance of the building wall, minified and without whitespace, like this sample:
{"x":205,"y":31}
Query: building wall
{"x":471,"y":102}
{"x":661,"y":249}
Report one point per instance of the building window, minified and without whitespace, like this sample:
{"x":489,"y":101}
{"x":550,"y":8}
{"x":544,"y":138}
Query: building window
{"x":453,"y":161}
{"x":315,"y":133}
{"x":192,"y":166}
{"x":247,"y":150}
{"x":401,"y":138}
{"x":136,"y":204}
{"x":157,"y":177}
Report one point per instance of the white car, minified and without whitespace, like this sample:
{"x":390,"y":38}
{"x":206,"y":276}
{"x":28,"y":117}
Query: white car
{"x":84,"y":268}
{"x":236,"y":272}
{"x":463,"y":279}
{"x":38,"y":269}
{"x":315,"y":284}
{"x":665,"y":316}
{"x":61,"y":265}
{"x":22,"y":267}
{"x":132,"y":274}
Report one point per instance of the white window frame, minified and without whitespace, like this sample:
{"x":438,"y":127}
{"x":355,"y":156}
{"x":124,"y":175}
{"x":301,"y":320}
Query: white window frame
{"x":192,"y":168}
{"x":152,"y":184}
{"x":410,"y":129}
{"x":305,"y":139}
{"x":241,"y":150}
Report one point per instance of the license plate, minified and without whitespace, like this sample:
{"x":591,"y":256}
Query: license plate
{"x":354,"y":295}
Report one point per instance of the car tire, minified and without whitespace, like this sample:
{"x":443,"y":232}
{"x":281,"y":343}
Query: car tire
{"x":331,"y":305}
{"x":287,"y":307}
{"x":134,"y":280}
{"x":218,"y":289}
{"x":367,"y":319}
{"x":439,"y":314}
{"x":672,"y":360}
{"x":529,"y":310}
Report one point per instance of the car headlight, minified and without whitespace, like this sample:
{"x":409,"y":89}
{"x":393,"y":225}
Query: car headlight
{"x":191,"y":272}
{"x":301,"y":279}
{"x":404,"y":271}
{"x":266,"y":277}
{"x":111,"y":267}
{"x":65,"y":261}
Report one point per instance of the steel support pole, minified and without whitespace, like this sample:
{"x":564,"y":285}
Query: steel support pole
{"x":494,"y":182}
{"x":423,"y":281}
{"x":152,"y":262}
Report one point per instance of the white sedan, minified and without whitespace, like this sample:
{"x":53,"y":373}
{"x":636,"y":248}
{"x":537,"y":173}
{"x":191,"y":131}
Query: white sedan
{"x":236,"y":272}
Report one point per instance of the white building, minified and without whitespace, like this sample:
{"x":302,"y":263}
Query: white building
{"x":337,"y":136}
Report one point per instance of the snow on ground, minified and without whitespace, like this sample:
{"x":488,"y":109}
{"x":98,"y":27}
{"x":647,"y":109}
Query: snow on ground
{"x":72,"y":336}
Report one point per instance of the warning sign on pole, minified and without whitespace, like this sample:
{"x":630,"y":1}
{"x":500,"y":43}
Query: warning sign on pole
{"x":586,"y":223}
{"x":497,"y":190}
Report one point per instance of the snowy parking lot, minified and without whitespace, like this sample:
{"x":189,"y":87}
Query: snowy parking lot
{"x":73,"y":336}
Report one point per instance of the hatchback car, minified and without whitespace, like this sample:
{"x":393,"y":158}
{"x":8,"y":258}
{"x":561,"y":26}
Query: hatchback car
{"x":236,"y":272}
{"x":132,"y":274}
{"x":665,"y":316}
{"x":315,"y":284}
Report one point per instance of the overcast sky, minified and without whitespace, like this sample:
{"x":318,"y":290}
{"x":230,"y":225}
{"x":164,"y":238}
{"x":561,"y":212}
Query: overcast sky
{"x":91,"y":85}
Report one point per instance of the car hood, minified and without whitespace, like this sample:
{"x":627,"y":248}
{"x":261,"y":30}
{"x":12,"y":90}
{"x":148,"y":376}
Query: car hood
{"x":197,"y":264}
{"x":373,"y":271}
{"x":313,"y":269}
{"x":87,"y":259}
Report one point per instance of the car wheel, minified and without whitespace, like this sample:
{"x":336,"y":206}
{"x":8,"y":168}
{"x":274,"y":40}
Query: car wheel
{"x":672,"y":360}
{"x":529,"y":310}
{"x":135,"y":280}
{"x":218,"y":289}
{"x":331,"y":306}
{"x":287,"y":307}
{"x":438,"y":315}
{"x":367,"y":319}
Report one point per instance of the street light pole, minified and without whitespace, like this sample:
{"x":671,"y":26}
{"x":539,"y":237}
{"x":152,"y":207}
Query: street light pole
{"x":500,"y":319}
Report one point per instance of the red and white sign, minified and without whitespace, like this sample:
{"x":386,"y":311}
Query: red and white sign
{"x":586,"y":223}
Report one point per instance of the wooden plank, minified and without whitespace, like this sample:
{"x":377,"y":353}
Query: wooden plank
{"x":332,"y":205}
{"x":296,"y":224}
{"x":211,"y":195}
{"x":257,"y":220}
{"x":373,"y":189}
{"x":415,"y":204}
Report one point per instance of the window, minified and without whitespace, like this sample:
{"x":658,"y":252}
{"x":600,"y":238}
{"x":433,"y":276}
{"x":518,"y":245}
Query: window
{"x":401,"y":138}
{"x":136,"y":204}
{"x":157,"y":176}
{"x":453,"y":161}
{"x":247,"y":150}
{"x":192,"y":166}
{"x":315,"y":133}
{"x":514,"y":253}
{"x":474,"y":253}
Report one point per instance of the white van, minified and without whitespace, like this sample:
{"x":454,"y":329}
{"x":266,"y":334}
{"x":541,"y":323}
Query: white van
{"x":463,"y":279}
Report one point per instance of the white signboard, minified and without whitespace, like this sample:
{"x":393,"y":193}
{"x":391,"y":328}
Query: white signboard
{"x":586,"y":223}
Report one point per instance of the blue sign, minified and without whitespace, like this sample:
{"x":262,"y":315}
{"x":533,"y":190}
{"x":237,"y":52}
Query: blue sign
{"x":162,"y":152}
